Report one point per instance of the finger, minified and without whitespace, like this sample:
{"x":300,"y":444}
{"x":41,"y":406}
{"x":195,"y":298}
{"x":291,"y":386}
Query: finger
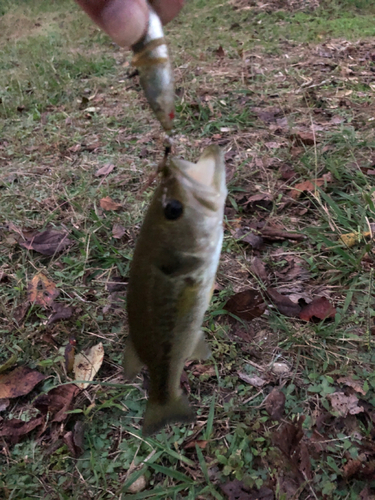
{"x":125,"y":21}
{"x":167,"y":9}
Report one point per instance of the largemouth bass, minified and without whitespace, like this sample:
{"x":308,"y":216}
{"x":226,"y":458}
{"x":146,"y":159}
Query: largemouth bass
{"x":152,"y":60}
{"x":171,"y":281}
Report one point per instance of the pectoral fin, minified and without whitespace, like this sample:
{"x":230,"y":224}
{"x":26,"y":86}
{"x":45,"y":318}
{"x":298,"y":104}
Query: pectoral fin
{"x":201,"y":350}
{"x":131,"y":362}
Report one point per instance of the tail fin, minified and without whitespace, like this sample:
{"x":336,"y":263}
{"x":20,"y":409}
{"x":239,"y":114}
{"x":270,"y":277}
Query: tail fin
{"x":157,"y":415}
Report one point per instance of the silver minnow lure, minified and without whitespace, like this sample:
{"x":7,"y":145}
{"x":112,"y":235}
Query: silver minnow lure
{"x":155,"y":71}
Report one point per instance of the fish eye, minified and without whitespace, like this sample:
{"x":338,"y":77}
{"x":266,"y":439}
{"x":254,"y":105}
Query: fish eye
{"x":173,"y":209}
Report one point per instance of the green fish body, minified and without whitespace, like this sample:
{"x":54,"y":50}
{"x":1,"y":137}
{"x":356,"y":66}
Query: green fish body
{"x":171,"y":281}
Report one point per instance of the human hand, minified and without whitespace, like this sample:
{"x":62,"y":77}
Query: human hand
{"x":125,"y":21}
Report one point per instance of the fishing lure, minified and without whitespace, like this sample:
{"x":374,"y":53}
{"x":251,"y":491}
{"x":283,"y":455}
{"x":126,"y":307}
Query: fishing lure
{"x":152,"y":60}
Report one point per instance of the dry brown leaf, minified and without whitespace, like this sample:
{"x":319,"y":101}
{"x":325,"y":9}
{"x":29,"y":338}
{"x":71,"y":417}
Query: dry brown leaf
{"x":118,"y":231}
{"x":283,"y":303}
{"x":57,"y":402}
{"x":237,"y":490}
{"x":105,"y":169}
{"x":13,"y":429}
{"x":253,"y":380}
{"x":60,"y":312}
{"x":319,"y":308}
{"x":74,"y":439}
{"x":117,"y":284}
{"x":343,"y":404}
{"x":220,"y":52}
{"x":351,"y":239}
{"x":355,"y":384}
{"x":20,"y":313}
{"x":42,"y":291}
{"x":19,"y":382}
{"x":246,"y":305}
{"x":86,"y":366}
{"x":199,"y":442}
{"x":259,"y":269}
{"x":309,"y":185}
{"x":245,"y":236}
{"x":289,"y":436}
{"x":275,"y":404}
{"x":48,"y":242}
{"x":69,"y":354}
{"x":303,"y":138}
{"x":108,"y":204}
{"x":207,"y":370}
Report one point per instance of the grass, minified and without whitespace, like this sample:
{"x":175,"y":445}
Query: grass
{"x":313,"y":66}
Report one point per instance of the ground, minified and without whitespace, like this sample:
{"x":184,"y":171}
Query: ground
{"x":286,"y":404}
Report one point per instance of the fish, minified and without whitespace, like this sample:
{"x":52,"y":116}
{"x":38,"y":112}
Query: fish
{"x":171,"y":281}
{"x":151,"y":58}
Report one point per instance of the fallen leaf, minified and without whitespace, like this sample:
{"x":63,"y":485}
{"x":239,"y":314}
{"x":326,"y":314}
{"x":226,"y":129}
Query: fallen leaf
{"x":287,"y":172}
{"x":41,"y":290}
{"x":246,"y":236}
{"x":118,"y":231}
{"x":48,"y":242}
{"x":343,"y":404}
{"x":20,"y":312}
{"x":262,"y":201}
{"x":86,"y":366}
{"x":207,"y":370}
{"x":105,"y":169}
{"x":116,"y":284}
{"x":351,"y":239}
{"x":283,"y":303}
{"x":259,"y":269}
{"x":309,"y":186}
{"x":60,"y":312}
{"x":305,"y":461}
{"x":319,"y":308}
{"x":57,"y":402}
{"x":355,"y":384}
{"x":108,"y":204}
{"x":303,"y":138}
{"x":19,"y":382}
{"x":69,"y":354}
{"x":201,"y":443}
{"x":74,"y":439}
{"x":253,"y":380}
{"x":15,"y":428}
{"x":275,"y":404}
{"x":289,"y":436}
{"x":246,"y":305}
{"x":236,"y":490}
{"x":220,"y":52}
{"x":351,"y":468}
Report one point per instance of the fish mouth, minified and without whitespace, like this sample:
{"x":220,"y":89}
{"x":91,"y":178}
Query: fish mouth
{"x":205,"y":180}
